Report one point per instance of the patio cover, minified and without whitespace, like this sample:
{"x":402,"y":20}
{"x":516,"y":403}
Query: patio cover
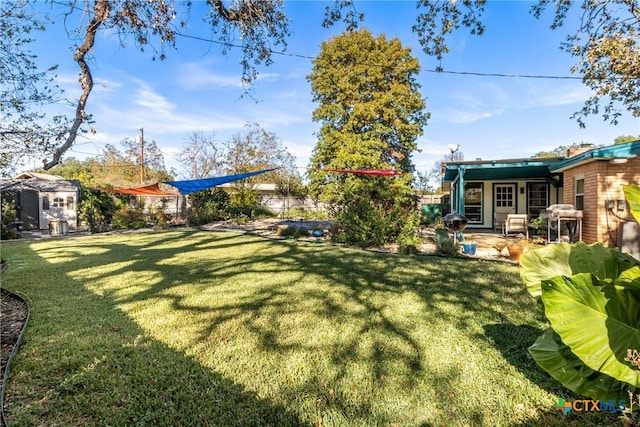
{"x":149,"y":190}
{"x":379,"y":172}
{"x":193,"y":185}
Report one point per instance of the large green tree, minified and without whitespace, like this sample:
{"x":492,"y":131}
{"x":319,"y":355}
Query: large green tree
{"x":371,"y":113}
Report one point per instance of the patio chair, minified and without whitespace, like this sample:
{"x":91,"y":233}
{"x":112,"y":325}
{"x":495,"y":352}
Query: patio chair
{"x":499,"y":218}
{"x":516,"y":224}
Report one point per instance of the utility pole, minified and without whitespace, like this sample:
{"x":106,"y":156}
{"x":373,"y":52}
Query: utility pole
{"x":141,"y":156}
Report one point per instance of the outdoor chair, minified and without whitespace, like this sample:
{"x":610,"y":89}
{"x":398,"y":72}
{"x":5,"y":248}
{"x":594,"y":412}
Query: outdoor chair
{"x":516,"y":224}
{"x":499,"y":219}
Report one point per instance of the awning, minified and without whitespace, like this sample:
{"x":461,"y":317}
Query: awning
{"x":193,"y":185}
{"x":149,"y":190}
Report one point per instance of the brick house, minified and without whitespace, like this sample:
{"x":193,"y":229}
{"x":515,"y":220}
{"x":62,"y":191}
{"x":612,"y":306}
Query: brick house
{"x":593,"y":183}
{"x":590,"y":179}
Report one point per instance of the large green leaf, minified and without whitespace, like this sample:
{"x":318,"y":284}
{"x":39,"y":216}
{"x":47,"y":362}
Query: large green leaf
{"x":598,"y":322}
{"x":566,"y":259}
{"x":552,"y":355}
{"x":632,"y":194}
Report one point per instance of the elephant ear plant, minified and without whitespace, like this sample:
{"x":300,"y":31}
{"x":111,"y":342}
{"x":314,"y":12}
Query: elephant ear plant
{"x":590,"y":295}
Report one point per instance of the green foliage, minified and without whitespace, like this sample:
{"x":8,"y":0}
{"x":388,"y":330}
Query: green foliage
{"x":632,"y":194}
{"x":408,"y":240}
{"x":622,"y":139}
{"x":8,"y":217}
{"x":96,"y":209}
{"x":370,"y":118}
{"x":243,"y":201}
{"x":294,"y":232}
{"x":207,"y":206}
{"x":371,"y":222}
{"x":591,"y":298}
{"x":299,"y":212}
{"x":445,"y":244}
{"x":128,"y":218}
{"x":540,"y":225}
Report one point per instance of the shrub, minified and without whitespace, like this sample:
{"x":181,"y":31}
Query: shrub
{"x":125,"y":218}
{"x":96,"y":209}
{"x":299,"y":212}
{"x":409,"y":240}
{"x":8,"y":217}
{"x":445,"y":245}
{"x":294,"y":232}
{"x":208,"y":206}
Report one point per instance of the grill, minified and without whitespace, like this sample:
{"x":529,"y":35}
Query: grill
{"x":568,"y":216}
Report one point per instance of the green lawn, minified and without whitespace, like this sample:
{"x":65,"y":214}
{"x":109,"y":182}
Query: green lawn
{"x":198,"y":328}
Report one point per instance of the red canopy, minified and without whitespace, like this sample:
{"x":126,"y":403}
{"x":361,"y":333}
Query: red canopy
{"x":149,"y":190}
{"x":379,"y":172}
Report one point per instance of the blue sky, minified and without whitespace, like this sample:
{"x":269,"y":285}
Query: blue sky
{"x":197,"y":88}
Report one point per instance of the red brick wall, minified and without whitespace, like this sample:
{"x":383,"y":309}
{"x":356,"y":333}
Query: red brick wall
{"x":602,"y":181}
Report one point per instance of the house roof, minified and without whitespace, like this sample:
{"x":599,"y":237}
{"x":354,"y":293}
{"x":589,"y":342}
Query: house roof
{"x":619,"y":151}
{"x":39,"y":182}
{"x":548,"y":168}
{"x":480,"y":170}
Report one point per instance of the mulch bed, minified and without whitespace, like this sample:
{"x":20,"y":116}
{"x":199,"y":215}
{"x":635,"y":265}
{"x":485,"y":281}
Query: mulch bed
{"x":13,"y":315}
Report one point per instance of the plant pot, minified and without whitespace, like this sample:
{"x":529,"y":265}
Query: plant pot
{"x":515,"y":252}
{"x":469,"y":248}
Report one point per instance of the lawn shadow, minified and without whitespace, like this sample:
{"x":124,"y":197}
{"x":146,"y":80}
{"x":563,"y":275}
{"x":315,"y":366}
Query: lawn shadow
{"x":96,"y":366}
{"x":513,"y":342}
{"x":354,"y":286}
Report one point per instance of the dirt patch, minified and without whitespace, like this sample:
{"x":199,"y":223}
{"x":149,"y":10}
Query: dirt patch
{"x":13,"y":316}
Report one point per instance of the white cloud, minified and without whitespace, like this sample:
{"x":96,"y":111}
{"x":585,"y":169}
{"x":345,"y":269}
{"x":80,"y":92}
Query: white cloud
{"x":153,"y":102}
{"x":200,"y":75}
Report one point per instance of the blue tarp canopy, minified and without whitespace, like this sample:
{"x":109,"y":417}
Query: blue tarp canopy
{"x":193,"y":185}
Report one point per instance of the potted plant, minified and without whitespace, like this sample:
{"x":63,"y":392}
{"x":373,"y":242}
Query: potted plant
{"x":517,"y":248}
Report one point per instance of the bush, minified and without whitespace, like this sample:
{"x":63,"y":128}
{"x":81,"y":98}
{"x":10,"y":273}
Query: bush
{"x":294,"y":232}
{"x":8,"y":217}
{"x":208,"y":206}
{"x":408,"y":239}
{"x":96,"y":209}
{"x":299,"y":212}
{"x":125,"y":218}
{"x":445,"y":245}
{"x":370,"y":223}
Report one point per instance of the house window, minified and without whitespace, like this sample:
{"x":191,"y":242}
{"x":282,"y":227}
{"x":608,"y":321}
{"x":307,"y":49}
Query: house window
{"x":504,"y":196}
{"x":70,"y":202}
{"x":45,"y":203}
{"x":580,"y":194}
{"x":58,"y":202}
{"x":473,"y":202}
{"x":538,"y":195}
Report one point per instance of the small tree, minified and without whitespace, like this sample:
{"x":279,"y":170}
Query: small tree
{"x":96,"y":209}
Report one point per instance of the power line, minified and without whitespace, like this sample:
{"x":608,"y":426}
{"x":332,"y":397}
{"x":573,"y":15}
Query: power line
{"x":426,"y":70}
